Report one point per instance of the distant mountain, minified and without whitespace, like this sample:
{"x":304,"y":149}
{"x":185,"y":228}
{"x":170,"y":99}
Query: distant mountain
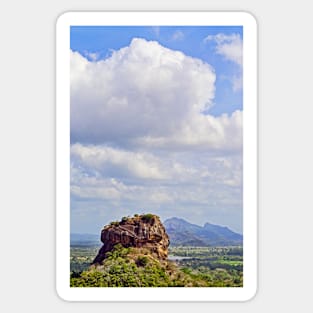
{"x":84,"y":239}
{"x":184,"y":233}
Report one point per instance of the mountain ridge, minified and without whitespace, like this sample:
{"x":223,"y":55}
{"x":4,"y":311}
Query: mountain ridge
{"x":182,"y":232}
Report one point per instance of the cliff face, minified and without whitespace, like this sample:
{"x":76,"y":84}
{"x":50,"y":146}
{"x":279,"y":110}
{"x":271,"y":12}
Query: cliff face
{"x":142,"y":231}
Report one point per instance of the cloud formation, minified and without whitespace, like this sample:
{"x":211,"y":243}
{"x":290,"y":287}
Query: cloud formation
{"x":141,"y":135}
{"x":182,"y":184}
{"x":176,"y":180}
{"x":104,"y":161}
{"x":230,"y":47}
{"x":118,"y":163}
{"x":146,"y":94}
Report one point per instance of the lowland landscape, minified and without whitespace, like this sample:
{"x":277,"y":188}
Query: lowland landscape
{"x":141,"y":251}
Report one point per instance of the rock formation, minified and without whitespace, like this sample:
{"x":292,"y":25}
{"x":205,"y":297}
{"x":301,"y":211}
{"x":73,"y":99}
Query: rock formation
{"x":140,"y":231}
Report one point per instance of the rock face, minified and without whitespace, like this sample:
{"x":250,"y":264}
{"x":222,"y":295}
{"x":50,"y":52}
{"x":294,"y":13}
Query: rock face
{"x":140,"y":231}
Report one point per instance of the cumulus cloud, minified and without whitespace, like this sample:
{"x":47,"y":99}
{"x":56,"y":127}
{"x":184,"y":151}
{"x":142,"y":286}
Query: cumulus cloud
{"x":107,"y":167}
{"x":229,"y":46}
{"x":105,"y":161}
{"x":182,"y":193}
{"x":202,"y":132}
{"x":115,"y":183}
{"x":117,"y":163}
{"x":145,"y":93}
{"x":213,"y":186}
{"x":92,"y":56}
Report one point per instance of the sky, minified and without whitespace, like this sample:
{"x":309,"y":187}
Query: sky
{"x":156,"y":124}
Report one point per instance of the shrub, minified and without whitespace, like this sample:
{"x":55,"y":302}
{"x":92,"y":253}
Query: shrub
{"x":148,"y":217}
{"x":124,"y":219}
{"x":142,"y":261}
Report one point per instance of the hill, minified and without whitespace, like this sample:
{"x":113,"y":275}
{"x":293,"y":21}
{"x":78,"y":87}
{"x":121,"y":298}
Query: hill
{"x":184,"y":233}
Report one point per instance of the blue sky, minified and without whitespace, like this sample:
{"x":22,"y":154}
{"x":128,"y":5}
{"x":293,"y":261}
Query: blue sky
{"x":156,"y":124}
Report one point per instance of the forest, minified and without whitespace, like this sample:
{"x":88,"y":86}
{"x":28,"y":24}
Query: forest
{"x":185,"y":267}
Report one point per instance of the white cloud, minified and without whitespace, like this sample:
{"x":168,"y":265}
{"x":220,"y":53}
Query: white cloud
{"x":117,"y":163}
{"x":209,"y":196}
{"x":229,"y":46}
{"x":146,"y":94}
{"x":202,"y":132}
{"x":140,"y":167}
{"x":94,"y":167}
{"x":93,"y":56}
{"x":142,"y":89}
{"x":237,"y":82}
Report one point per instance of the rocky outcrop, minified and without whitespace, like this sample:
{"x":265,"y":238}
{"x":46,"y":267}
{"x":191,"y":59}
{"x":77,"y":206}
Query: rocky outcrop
{"x":140,"y":231}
